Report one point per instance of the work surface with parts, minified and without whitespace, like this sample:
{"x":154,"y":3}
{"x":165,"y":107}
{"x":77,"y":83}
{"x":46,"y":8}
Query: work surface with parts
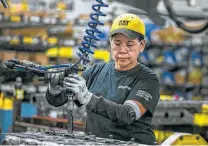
{"x":60,"y":138}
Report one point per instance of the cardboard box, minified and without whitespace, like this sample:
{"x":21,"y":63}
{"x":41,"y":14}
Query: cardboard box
{"x":40,"y":58}
{"x":24,"y":55}
{"x":6,"y":55}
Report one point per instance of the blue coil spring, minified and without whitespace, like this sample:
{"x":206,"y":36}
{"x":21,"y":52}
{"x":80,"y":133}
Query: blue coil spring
{"x":89,"y":40}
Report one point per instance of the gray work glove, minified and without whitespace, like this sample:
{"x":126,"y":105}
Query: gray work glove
{"x":77,"y":85}
{"x":54,"y":82}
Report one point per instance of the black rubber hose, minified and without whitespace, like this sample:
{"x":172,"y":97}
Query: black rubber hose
{"x":4,"y":3}
{"x":179,"y":23}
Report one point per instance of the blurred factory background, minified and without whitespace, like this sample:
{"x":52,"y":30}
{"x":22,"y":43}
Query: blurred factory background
{"x":49,"y":32}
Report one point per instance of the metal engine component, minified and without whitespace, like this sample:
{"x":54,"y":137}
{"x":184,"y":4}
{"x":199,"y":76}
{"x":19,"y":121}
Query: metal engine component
{"x":45,"y":109}
{"x":60,"y":138}
{"x":177,"y":112}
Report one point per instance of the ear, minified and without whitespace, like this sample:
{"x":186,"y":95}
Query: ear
{"x":142,"y":46}
{"x":110,"y":43}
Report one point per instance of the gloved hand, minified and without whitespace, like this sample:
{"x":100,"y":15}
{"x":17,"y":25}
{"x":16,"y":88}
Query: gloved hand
{"x":54,"y":80}
{"x":77,"y":85}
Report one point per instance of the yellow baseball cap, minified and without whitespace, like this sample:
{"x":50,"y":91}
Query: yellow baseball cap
{"x":128,"y":24}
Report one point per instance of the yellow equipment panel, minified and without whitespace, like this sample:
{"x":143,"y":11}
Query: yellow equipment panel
{"x":178,"y":139}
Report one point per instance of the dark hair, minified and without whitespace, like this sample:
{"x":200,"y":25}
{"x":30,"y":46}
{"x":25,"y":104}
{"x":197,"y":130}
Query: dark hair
{"x":140,"y":36}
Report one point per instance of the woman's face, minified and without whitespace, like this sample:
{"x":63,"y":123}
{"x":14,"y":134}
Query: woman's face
{"x":125,"y":51}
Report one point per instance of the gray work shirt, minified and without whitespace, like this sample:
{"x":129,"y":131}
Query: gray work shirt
{"x":139,"y":84}
{"x":106,"y":114}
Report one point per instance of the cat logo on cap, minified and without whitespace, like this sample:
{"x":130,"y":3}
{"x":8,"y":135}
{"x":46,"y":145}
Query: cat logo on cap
{"x":123,"y":22}
{"x":128,"y":22}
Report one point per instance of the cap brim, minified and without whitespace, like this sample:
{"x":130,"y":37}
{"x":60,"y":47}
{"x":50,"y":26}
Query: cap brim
{"x":129,"y":33}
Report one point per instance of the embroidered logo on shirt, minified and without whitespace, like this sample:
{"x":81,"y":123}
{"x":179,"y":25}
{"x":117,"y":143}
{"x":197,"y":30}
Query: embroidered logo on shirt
{"x":124,"y":87}
{"x":144,"y":94}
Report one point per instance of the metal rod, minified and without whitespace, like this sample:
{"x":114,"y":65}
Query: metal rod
{"x":70,"y":113}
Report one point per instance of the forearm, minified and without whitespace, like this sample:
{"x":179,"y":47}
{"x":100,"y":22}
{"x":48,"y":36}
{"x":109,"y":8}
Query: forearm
{"x":121,"y":114}
{"x":56,"y":100}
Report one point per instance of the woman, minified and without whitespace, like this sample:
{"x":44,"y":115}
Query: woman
{"x":120,"y":96}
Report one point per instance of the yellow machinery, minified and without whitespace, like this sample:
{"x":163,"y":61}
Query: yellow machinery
{"x":184,"y":139}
